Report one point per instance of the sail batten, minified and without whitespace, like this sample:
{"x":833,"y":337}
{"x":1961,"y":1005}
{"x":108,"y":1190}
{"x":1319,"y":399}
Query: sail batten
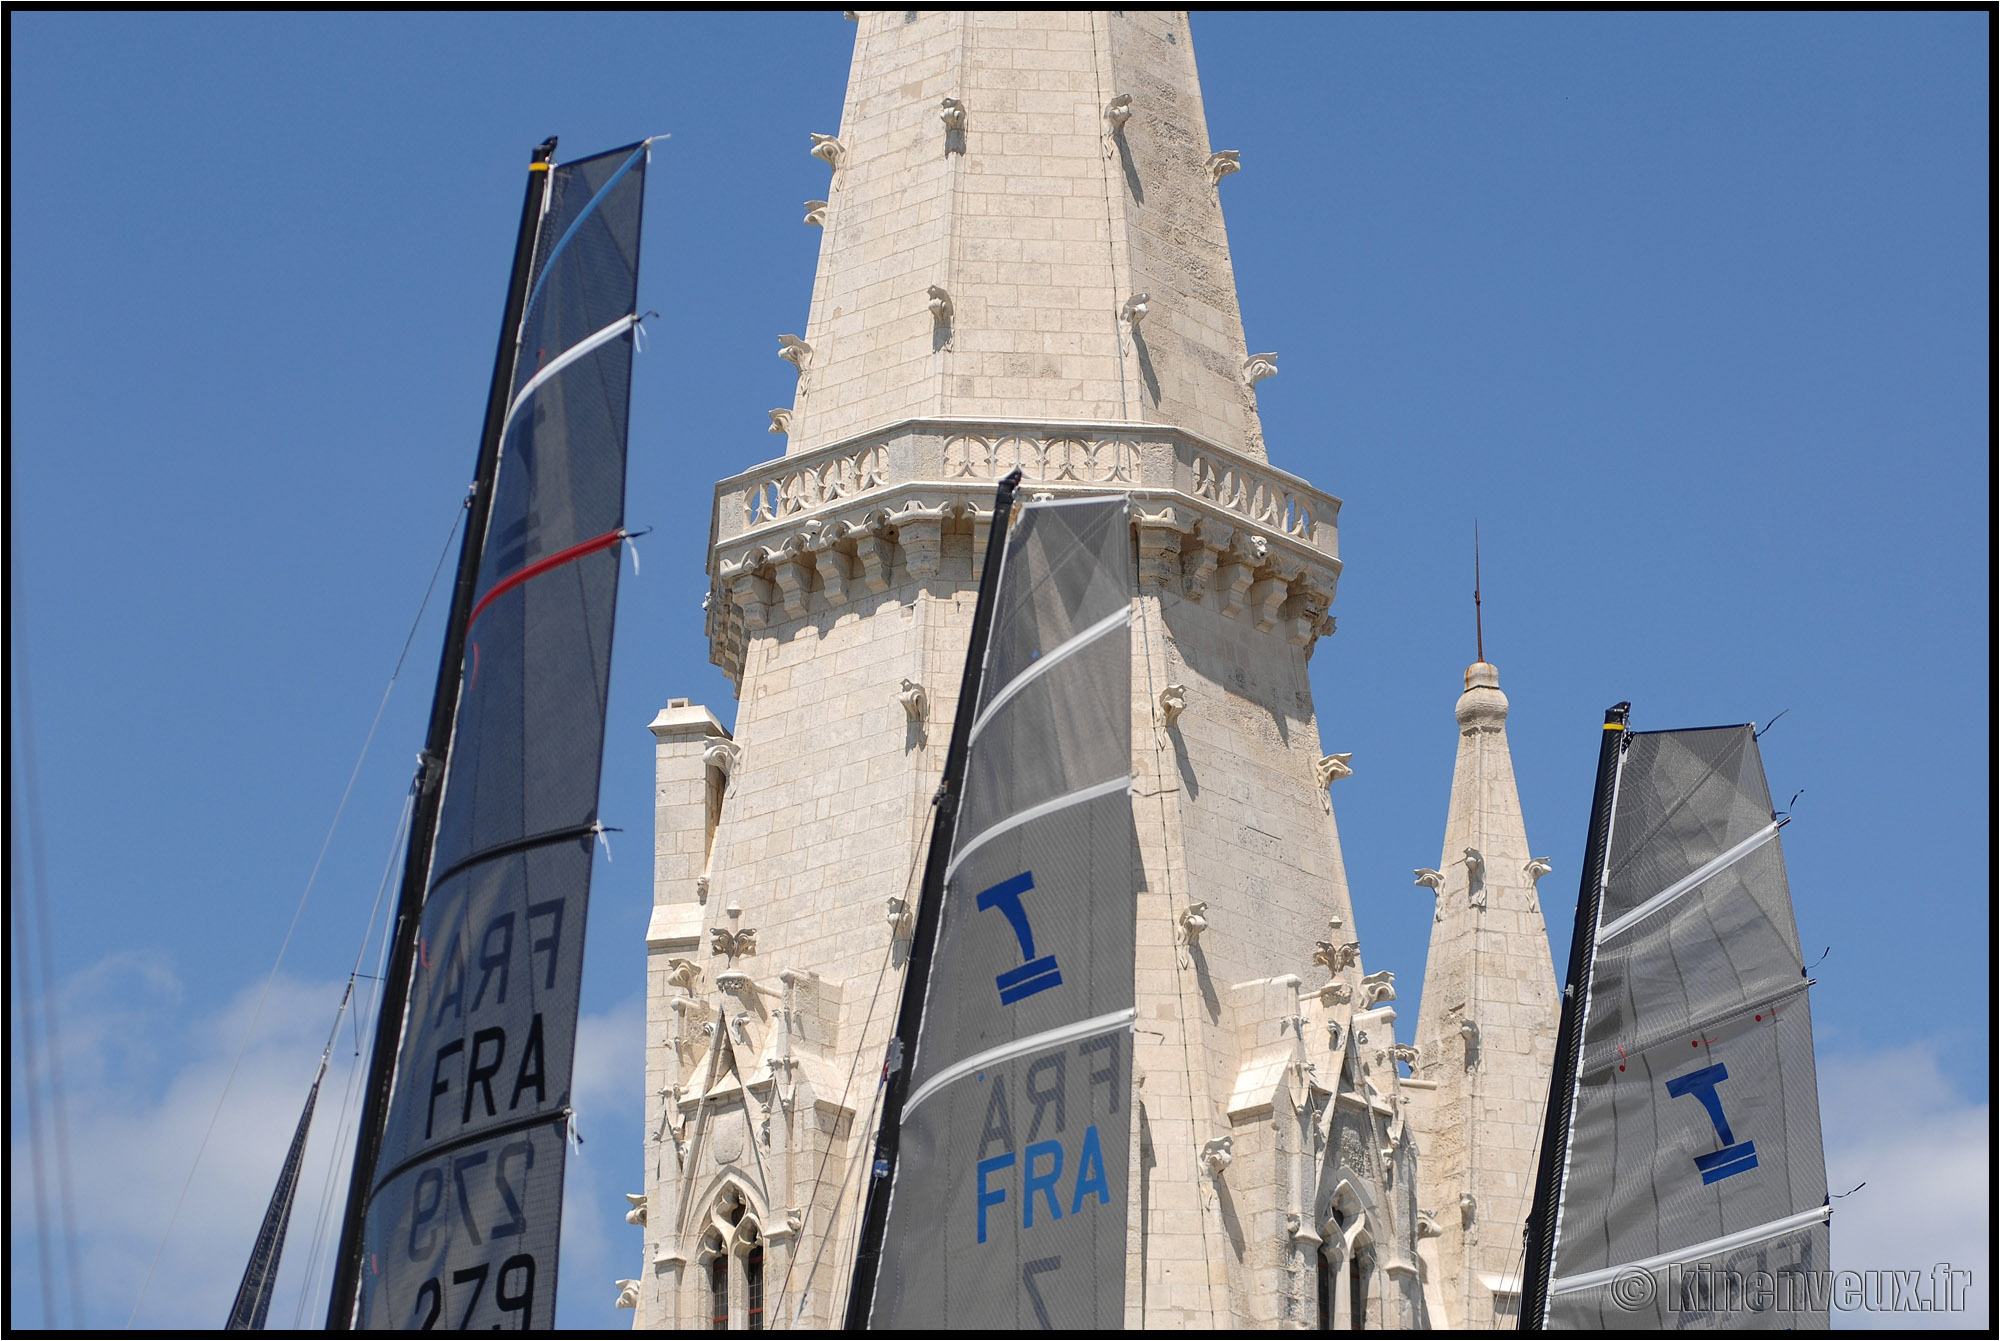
{"x":1035,"y":812}
{"x":1022,"y":1047}
{"x":1688,"y":882}
{"x":1054,"y":657}
{"x":1742,"y":1238}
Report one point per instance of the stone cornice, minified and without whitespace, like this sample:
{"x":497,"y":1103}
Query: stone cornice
{"x":827,"y":527}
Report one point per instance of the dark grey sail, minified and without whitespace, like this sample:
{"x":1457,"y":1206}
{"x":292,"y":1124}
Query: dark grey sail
{"x":1008,"y":1203}
{"x":1691,"y":1189}
{"x":260,"y":1277}
{"x":464,"y":1203}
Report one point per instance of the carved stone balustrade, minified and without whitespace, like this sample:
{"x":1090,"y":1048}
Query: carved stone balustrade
{"x":823,"y":528}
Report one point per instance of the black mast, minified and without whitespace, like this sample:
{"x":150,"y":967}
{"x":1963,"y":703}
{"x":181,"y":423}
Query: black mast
{"x":1540,"y":1257}
{"x":930,"y":911}
{"x":430,"y":772}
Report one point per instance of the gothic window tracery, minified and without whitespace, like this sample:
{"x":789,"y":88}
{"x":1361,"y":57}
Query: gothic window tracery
{"x":732,"y":1256}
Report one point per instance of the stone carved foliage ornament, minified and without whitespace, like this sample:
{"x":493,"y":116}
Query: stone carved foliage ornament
{"x":1332,"y":768}
{"x":684,"y":974}
{"x":1259,"y":366}
{"x":915,"y":703}
{"x":1536,"y":868}
{"x":940,"y":305}
{"x":816,"y":213}
{"x":1193,"y":923}
{"x":795,"y":491}
{"x":1135,"y":309}
{"x":1055,"y":460}
{"x":1377,"y":988}
{"x":1335,"y":958}
{"x":794,"y":351}
{"x":1216,"y":1155}
{"x":637,"y":1214}
{"x":1118,"y":111}
{"x":1173,"y":702}
{"x":952,"y":112}
{"x":781,"y":421}
{"x":828,"y":150}
{"x":722,"y":756}
{"x":733,"y":943}
{"x":733,"y":940}
{"x":1223,"y":162}
{"x":1429,"y":879}
{"x":628,"y":1293}
{"x":1265,"y":502}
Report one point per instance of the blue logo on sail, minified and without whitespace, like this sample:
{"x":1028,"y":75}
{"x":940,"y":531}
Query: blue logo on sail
{"x":1036,"y":975}
{"x":1734,"y":1157}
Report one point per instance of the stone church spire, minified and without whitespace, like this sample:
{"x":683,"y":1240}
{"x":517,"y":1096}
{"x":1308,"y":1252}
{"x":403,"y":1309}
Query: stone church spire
{"x":1023,"y":222}
{"x":1024,"y":266}
{"x":1485,"y":1029}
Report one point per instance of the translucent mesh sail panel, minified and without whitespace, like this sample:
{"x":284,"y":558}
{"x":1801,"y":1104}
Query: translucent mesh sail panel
{"x":463,"y":1226}
{"x":1695,"y":1136}
{"x":1008,"y":1206}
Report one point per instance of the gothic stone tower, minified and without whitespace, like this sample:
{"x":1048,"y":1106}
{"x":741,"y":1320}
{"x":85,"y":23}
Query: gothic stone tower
{"x":1485,"y":1031}
{"x":1023,"y":264}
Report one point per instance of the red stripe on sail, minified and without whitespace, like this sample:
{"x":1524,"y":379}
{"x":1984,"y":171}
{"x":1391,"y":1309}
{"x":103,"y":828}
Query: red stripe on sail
{"x":536,"y":569}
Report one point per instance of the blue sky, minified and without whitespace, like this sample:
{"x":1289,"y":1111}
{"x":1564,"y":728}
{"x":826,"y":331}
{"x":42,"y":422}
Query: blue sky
{"x":1690,"y":311}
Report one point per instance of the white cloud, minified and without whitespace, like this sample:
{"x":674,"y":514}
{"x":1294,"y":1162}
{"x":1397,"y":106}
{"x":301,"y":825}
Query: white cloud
{"x":143,"y":1079}
{"x":598,"y":1247}
{"x":1894,"y":1120}
{"x":142,"y":1089}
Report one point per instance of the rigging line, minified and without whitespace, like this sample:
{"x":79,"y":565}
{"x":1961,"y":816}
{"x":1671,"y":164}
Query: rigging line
{"x":864,"y":1169}
{"x":1524,"y":1203}
{"x":1167,"y":872}
{"x":924,"y":635}
{"x":917,"y":852}
{"x":24,"y":973}
{"x":39,"y":894}
{"x":250,"y":1028}
{"x":323,"y":1218}
{"x":365,"y":1019}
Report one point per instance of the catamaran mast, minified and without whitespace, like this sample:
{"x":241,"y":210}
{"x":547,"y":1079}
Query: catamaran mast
{"x":930,"y":909}
{"x":1540,"y":1257}
{"x":430,"y":772}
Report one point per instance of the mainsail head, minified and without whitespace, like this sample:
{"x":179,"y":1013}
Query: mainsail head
{"x":1008,"y":1203}
{"x":1691,"y":1189}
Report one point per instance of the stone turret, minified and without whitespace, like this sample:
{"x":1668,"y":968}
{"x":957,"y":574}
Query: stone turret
{"x":1485,"y":1030}
{"x":1023,"y":264}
